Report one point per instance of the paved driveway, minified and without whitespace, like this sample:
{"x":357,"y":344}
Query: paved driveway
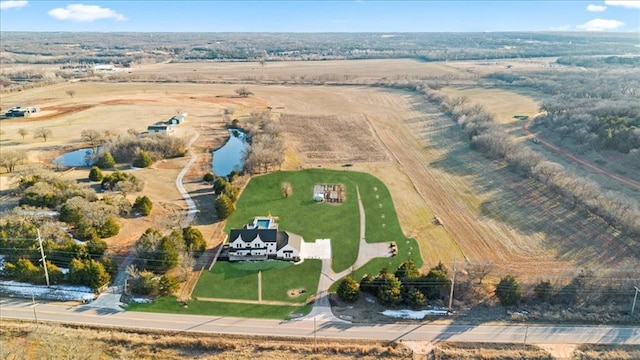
{"x":321,"y":249}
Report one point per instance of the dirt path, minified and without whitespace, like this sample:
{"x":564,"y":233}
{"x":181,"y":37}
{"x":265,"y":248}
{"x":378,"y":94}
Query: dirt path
{"x":579,"y":160}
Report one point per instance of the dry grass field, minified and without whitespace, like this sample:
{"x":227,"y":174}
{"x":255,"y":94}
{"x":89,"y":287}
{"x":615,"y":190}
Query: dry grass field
{"x":489,"y":214}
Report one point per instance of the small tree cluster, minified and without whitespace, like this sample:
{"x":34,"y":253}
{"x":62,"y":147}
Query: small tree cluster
{"x":91,"y":220}
{"x":123,"y":182}
{"x":407,"y":285}
{"x":158,"y":253}
{"x":149,"y":284}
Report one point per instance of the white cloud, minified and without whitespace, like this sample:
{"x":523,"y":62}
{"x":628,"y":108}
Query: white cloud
{"x":81,"y":12}
{"x":12,"y":4}
{"x":600,"y":25}
{"x":632,"y":4}
{"x":596,"y":8}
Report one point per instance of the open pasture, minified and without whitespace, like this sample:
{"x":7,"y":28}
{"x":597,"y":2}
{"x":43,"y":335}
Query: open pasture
{"x":428,"y":169}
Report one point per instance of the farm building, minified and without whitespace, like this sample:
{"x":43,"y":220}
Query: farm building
{"x":261,"y":240}
{"x":178,"y":119}
{"x":21,"y":112}
{"x":161,"y":128}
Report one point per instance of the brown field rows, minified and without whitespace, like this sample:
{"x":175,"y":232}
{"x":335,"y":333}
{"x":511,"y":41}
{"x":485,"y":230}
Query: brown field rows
{"x":489,"y":214}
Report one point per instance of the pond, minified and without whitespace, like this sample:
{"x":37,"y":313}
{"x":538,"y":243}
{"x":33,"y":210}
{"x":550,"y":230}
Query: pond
{"x":81,"y":157}
{"x":231,"y":155}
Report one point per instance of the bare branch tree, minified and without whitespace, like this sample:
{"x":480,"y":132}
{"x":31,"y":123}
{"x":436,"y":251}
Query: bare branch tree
{"x":43,"y":133}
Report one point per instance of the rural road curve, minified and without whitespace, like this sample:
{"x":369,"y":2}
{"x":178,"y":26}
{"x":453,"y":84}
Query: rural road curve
{"x":530,"y":334}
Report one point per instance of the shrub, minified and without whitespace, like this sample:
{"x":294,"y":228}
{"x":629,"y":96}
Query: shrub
{"x":208,"y":177}
{"x":142,"y":205}
{"x":543,"y":290}
{"x":109,"y":228}
{"x":96,"y":174}
{"x":348,"y":290}
{"x":168,"y":285}
{"x":96,"y":248}
{"x":415,"y":298}
{"x":508,"y":291}
{"x":143,"y":160}
{"x":105,"y":161}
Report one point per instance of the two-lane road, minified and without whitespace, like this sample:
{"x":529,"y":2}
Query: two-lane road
{"x":532,"y":334}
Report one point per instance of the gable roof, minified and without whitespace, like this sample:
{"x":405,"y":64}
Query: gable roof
{"x":248,"y":235}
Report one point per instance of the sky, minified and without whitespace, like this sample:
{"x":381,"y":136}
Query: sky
{"x":320,"y":16}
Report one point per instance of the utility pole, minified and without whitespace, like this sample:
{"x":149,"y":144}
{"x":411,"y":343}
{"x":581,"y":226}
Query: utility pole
{"x":43,"y":258}
{"x":35,"y":314}
{"x":453,"y":283}
{"x":633,"y":307}
{"x":315,"y":340}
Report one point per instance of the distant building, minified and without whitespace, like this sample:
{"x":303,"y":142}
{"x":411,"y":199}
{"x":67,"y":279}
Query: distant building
{"x":161,"y":128}
{"x":104,"y":68}
{"x":21,"y":112}
{"x":178,"y":119}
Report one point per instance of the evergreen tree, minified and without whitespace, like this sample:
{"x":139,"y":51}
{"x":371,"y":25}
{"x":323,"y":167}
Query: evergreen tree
{"x":105,"y":161}
{"x":389,"y":289}
{"x":367,"y":285}
{"x":194,"y":240}
{"x":414,"y":298}
{"x":165,"y":256}
{"x":96,"y":174}
{"x":142,"y":205}
{"x":143,"y":160}
{"x":543,"y":290}
{"x":96,"y":248}
{"x":208,"y":177}
{"x":407,"y":270}
{"x":224,"y":206}
{"x":168,"y":285}
{"x":109,"y":228}
{"x":508,"y":291}
{"x":434,"y":283}
{"x":348,"y":289}
{"x":96,"y":275}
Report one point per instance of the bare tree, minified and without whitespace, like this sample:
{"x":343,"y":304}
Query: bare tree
{"x":243,"y":92}
{"x":71,"y":92}
{"x":92,"y":136}
{"x":23,"y":132}
{"x":43,"y":133}
{"x":10,"y":159}
{"x":287,"y":189}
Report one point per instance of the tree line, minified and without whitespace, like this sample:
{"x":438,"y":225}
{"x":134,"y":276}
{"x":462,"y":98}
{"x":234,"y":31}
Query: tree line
{"x":487,"y":137}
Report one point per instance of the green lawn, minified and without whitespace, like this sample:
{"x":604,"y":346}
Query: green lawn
{"x":301,"y":215}
{"x":169,"y":305}
{"x":239,"y":280}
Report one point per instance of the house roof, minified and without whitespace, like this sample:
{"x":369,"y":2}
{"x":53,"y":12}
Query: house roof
{"x":248,"y":235}
{"x":295,"y":241}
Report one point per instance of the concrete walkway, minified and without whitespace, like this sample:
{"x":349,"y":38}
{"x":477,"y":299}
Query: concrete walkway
{"x":321,"y":307}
